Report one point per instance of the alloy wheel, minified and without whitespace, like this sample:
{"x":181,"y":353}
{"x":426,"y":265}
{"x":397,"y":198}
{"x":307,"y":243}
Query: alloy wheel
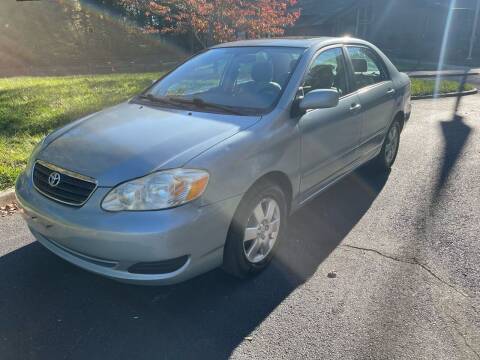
{"x":261,"y":231}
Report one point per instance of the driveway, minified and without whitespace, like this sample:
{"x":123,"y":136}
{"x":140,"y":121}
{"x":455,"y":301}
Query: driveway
{"x":404,"y":248}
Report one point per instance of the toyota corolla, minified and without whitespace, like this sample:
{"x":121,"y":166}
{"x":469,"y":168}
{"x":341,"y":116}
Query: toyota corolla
{"x":203,"y":168}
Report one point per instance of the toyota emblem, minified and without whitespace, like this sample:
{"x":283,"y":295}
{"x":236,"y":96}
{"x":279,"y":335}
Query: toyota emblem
{"x":54,"y":179}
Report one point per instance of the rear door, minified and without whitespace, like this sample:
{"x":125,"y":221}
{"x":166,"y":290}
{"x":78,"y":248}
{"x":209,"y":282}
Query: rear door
{"x":330,"y":137}
{"x":376,"y":93}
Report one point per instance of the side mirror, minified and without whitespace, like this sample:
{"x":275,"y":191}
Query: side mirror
{"x":319,"y":99}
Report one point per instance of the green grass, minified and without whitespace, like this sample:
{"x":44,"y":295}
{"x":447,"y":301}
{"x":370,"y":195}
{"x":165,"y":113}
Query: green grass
{"x":427,"y":86}
{"x":31,"y":107}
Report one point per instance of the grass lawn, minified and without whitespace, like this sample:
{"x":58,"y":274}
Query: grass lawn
{"x":30,"y":107}
{"x":427,"y":86}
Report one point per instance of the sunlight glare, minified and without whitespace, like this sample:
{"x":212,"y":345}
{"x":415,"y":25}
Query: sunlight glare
{"x":443,"y":50}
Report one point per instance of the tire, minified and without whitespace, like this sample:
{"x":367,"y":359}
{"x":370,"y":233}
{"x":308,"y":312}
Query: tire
{"x":236,"y":262}
{"x":385,"y":160}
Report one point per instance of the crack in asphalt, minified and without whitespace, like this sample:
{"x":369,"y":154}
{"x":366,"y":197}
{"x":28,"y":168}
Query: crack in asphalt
{"x":412,"y":261}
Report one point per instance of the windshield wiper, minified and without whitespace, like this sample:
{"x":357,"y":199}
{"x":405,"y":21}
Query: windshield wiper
{"x":200,"y":103}
{"x":153,"y":98}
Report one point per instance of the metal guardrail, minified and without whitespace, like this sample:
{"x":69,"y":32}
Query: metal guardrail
{"x":443,"y":73}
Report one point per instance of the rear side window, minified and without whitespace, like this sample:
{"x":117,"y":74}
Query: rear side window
{"x":368,"y":69}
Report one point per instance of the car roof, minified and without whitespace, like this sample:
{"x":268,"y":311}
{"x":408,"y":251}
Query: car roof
{"x":304,"y":42}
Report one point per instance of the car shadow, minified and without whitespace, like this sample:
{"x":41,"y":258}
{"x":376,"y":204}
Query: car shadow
{"x":50,"y":309}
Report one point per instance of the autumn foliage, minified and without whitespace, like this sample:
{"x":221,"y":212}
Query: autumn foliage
{"x":212,"y":21}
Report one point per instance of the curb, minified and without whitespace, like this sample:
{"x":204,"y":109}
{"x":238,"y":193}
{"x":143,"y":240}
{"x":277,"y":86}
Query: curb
{"x":452,"y":94}
{"x":7,"y":196}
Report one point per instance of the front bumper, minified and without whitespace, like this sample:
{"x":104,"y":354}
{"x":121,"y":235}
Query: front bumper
{"x":110,"y":243}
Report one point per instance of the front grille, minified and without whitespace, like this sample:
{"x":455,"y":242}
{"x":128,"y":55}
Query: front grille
{"x":71,"y":189}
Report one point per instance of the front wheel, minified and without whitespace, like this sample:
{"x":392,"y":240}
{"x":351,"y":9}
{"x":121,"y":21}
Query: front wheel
{"x":388,"y":154}
{"x":256,"y":229}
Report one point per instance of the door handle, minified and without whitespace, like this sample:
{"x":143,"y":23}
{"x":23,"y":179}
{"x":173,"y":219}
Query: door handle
{"x":355,"y":107}
{"x":391,"y":92}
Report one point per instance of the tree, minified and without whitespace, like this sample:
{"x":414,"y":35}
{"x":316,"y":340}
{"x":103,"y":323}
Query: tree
{"x":212,"y":21}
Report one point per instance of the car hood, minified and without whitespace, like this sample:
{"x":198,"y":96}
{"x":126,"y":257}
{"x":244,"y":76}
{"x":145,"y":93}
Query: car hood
{"x":131,"y":140}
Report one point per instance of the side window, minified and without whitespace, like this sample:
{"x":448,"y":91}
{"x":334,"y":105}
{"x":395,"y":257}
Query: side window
{"x":327,"y":72}
{"x":368,"y":69}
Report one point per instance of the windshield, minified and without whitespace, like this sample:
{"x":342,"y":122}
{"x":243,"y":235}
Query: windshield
{"x":243,"y":79}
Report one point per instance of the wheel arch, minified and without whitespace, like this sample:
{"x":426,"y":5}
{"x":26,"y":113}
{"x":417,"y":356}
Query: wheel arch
{"x":281,"y":179}
{"x":278,"y":178}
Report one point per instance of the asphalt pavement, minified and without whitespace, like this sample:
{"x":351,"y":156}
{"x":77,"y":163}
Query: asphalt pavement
{"x":402,"y":251}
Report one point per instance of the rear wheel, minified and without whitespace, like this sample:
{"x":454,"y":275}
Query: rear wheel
{"x":256,"y":229}
{"x":388,"y":154}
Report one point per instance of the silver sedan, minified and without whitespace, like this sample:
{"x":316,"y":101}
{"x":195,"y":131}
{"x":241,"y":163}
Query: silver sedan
{"x":203,"y":168}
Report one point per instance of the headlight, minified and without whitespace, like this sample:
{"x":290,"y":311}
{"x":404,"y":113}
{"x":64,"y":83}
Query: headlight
{"x":160,"y":190}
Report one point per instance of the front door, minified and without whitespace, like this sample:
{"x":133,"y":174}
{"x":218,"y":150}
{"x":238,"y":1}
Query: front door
{"x":330,"y":137}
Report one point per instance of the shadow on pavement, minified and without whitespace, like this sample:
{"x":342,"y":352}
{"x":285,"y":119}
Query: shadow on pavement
{"x":455,"y":134}
{"x":49,"y":309}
